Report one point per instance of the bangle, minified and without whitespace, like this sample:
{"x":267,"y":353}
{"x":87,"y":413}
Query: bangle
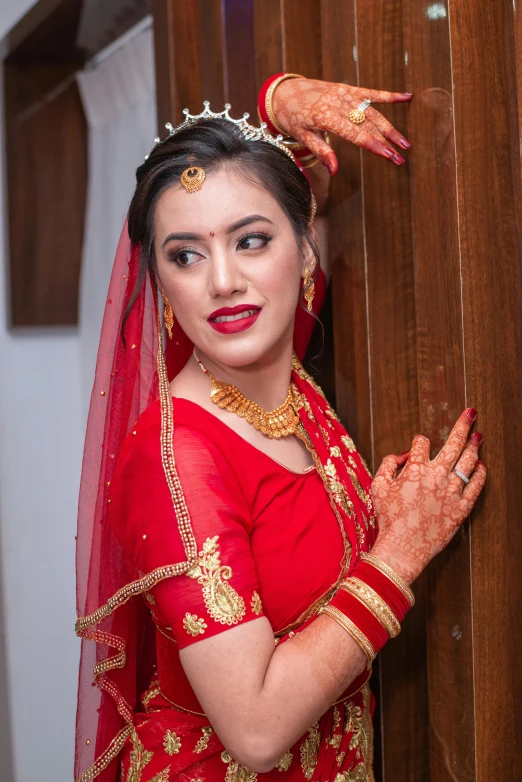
{"x":264,"y":106}
{"x":374,"y":603}
{"x":365,"y":621}
{"x":351,"y":629}
{"x":391,"y":574}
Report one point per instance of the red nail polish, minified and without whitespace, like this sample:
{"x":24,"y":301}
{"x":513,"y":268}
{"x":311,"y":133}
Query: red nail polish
{"x":398,"y":159}
{"x":409,"y":94}
{"x":389,"y":152}
{"x":478,"y":437}
{"x":329,"y":166}
{"x":471,"y":413}
{"x":404,"y":144}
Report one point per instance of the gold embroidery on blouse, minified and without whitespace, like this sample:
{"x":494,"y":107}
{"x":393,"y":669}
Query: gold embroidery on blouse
{"x":203,"y":741}
{"x":285,"y":762}
{"x":163,"y":776}
{"x":193,"y":625}
{"x":222,"y":601}
{"x":138,"y":759}
{"x":236,"y":772}
{"x":171,"y":743}
{"x":309,"y":751}
{"x":256,"y":604}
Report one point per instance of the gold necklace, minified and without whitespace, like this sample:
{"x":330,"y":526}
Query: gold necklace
{"x":275,"y":424}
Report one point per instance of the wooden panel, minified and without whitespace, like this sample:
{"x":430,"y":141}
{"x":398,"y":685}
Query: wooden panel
{"x":441,"y":380}
{"x":239,"y":56}
{"x":47,"y":186}
{"x":393,"y":370}
{"x":268,"y":35}
{"x":302,"y":51}
{"x":189,"y":57}
{"x":489,"y":204}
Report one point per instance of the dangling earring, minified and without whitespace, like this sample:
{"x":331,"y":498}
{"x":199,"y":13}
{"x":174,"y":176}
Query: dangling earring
{"x":168,"y":317}
{"x":309,"y":288}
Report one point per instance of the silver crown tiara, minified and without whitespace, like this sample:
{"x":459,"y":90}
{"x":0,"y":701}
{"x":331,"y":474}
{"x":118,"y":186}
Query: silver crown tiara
{"x":249,"y":132}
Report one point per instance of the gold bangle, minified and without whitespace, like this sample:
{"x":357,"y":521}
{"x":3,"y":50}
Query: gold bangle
{"x":310,"y":162}
{"x":374,"y":603}
{"x":351,"y":629}
{"x":269,"y":97}
{"x":391,"y":574}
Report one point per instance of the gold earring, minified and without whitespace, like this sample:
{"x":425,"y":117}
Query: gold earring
{"x":168,"y":317}
{"x":309,"y":288}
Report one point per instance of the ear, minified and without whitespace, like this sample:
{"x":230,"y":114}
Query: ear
{"x":309,"y":261}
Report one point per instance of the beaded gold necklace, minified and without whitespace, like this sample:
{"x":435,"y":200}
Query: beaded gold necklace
{"x":281,"y":422}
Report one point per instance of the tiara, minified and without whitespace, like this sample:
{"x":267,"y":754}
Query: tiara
{"x":249,"y":132}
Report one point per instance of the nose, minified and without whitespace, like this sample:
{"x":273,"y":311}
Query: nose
{"x":225,"y":275}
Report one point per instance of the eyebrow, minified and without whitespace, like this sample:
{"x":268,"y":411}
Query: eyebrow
{"x":184,"y":236}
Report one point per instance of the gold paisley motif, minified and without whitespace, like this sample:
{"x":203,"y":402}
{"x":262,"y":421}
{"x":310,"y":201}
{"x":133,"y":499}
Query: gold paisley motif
{"x":285,"y":762}
{"x":335,"y":741}
{"x":151,"y":693}
{"x":349,"y":443}
{"x":150,"y":598}
{"x":359,"y":774}
{"x":236,"y":772}
{"x":171,"y":743}
{"x":138,"y":759}
{"x":193,"y":625}
{"x":163,"y":776}
{"x":202,"y":744}
{"x":256,"y":605}
{"x":335,"y":451}
{"x":337,"y":488}
{"x":222,"y":601}
{"x":309,"y":751}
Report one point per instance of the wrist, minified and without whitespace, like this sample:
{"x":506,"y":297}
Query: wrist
{"x":405,"y":568}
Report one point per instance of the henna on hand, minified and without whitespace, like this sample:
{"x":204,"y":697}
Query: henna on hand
{"x":421,"y":508}
{"x":305,"y":107}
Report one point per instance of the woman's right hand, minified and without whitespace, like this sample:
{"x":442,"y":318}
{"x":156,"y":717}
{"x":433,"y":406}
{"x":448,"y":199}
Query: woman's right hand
{"x":420,"y":509}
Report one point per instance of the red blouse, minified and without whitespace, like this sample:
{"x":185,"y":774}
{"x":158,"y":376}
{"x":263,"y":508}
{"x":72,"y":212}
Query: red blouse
{"x":273,"y":528}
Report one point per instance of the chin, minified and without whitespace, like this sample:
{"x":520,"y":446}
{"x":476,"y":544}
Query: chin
{"x":236,"y":350}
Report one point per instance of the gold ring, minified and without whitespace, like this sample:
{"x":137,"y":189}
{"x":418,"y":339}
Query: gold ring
{"x":357,"y":115}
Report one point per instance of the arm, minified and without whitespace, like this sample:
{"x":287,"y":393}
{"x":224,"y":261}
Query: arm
{"x":260,"y":700}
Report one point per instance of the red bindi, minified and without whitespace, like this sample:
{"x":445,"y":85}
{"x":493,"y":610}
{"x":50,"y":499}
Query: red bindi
{"x":212,"y":233}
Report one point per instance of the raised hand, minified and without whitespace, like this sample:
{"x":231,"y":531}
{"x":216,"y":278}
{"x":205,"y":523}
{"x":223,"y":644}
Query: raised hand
{"x":420,"y":509}
{"x":305,"y":107}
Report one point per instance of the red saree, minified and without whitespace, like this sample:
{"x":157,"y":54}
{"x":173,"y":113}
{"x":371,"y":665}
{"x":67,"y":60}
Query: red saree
{"x":185,"y":543}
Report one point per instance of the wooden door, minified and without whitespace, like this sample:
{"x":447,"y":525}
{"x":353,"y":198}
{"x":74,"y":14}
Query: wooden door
{"x":427,"y":305}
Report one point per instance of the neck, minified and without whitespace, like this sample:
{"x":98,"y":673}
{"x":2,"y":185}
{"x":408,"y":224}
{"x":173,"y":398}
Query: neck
{"x":265,"y":381}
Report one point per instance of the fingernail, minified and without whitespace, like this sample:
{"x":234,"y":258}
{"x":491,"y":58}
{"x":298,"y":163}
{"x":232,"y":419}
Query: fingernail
{"x":398,"y":159}
{"x":330,"y":168}
{"x":409,"y":94}
{"x":471,"y":413}
{"x":404,"y":144}
{"x":389,"y":152}
{"x":478,"y":437}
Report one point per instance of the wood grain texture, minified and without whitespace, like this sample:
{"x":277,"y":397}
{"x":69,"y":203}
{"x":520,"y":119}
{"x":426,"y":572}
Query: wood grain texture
{"x":239,"y":56}
{"x":440,"y":368}
{"x":268,"y":35}
{"x":489,"y":204}
{"x":302,"y":50}
{"x":393,"y":371}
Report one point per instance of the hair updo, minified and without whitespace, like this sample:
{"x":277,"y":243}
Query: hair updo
{"x":212,"y":144}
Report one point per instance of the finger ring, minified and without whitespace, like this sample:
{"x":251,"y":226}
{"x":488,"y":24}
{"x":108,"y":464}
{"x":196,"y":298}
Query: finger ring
{"x":357,"y":115}
{"x":461,"y":475}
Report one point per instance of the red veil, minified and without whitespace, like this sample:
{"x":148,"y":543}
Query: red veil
{"x":118,"y":645}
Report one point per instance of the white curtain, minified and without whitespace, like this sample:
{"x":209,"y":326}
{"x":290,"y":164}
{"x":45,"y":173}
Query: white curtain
{"x":119,"y":99}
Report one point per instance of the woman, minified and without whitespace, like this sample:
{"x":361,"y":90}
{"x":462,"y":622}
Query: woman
{"x":226,"y":518}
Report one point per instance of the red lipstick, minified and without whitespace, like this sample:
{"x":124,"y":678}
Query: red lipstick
{"x":249,"y":313}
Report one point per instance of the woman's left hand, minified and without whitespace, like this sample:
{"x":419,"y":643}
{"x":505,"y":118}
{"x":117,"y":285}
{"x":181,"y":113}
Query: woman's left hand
{"x":304,"y":108}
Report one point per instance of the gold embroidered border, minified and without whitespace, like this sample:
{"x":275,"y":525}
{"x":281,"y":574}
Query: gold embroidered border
{"x":112,"y":751}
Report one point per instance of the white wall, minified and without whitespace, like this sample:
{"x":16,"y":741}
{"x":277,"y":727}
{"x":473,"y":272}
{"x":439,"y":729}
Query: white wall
{"x":41,"y":440}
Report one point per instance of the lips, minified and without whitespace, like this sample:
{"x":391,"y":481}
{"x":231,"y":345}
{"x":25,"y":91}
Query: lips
{"x":229,"y":320}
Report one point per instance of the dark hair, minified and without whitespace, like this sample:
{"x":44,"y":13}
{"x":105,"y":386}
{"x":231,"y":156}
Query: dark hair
{"x":212,"y":144}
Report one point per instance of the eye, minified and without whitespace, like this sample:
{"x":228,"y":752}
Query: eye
{"x":253,"y":241}
{"x":184,"y":256}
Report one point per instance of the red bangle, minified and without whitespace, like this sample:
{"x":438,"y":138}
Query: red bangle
{"x":261,"y":103}
{"x":362,"y":617}
{"x":385,"y":588}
